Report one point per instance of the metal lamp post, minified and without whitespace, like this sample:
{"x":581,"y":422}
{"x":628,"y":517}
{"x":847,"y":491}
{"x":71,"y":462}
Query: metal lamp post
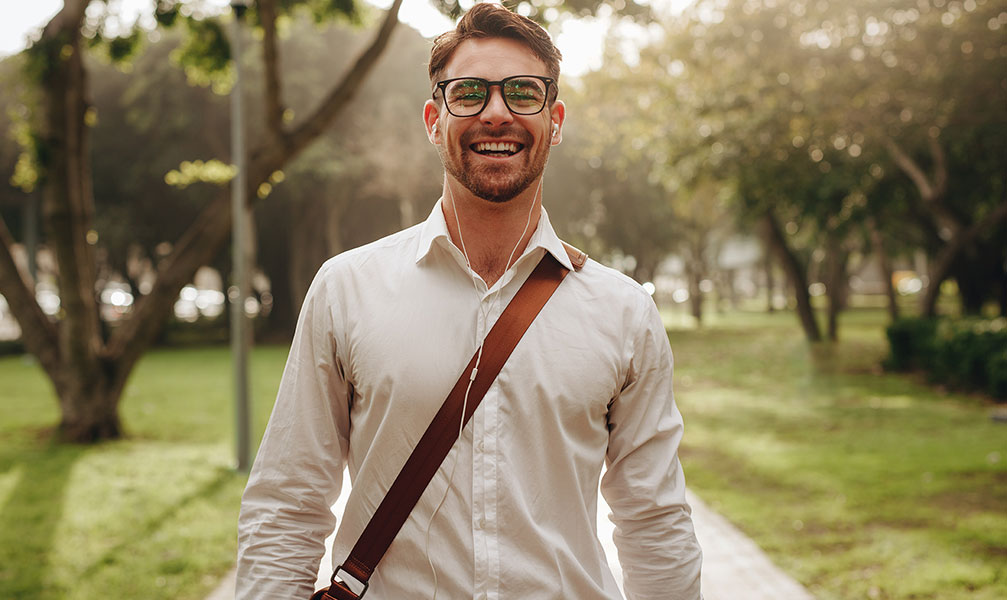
{"x":239,"y":290}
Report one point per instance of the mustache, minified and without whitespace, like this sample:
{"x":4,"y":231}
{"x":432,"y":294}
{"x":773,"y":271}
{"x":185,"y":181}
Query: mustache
{"x":508,"y":131}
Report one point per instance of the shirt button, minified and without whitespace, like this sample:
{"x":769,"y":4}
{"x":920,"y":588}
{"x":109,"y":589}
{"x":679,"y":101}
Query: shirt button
{"x":481,"y":524}
{"x":481,"y":446}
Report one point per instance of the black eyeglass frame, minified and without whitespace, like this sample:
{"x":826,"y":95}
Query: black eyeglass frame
{"x":548,"y":81}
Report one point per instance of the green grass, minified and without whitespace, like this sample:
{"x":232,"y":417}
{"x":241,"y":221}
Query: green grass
{"x":861,"y":484}
{"x":151,"y":516}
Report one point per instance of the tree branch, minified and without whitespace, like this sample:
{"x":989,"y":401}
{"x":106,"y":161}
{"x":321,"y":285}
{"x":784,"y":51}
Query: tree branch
{"x":795,"y":273}
{"x":68,"y":18}
{"x":38,"y":333}
{"x":271,"y":58}
{"x":931,"y":192}
{"x":910,"y":168}
{"x":67,"y":197}
{"x":197,"y":247}
{"x":940,"y":168}
{"x":942,"y":264}
{"x":269,"y":157}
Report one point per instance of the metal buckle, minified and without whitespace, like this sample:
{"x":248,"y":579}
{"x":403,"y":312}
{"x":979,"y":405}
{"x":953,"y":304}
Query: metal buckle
{"x":344,"y":582}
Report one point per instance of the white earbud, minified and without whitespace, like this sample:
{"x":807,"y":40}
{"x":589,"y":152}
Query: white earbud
{"x":555,"y":130}
{"x":434,"y":128}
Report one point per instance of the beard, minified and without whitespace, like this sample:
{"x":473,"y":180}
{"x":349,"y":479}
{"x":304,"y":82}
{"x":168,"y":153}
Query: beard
{"x":491,"y":182}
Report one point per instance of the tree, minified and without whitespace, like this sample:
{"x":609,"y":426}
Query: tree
{"x":87,"y":370}
{"x":807,"y":106}
{"x":88,"y":366}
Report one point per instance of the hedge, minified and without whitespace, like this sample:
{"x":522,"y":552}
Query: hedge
{"x":964,"y":353}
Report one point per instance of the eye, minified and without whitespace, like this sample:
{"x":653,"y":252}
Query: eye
{"x":524,"y":91}
{"x":466,"y":91}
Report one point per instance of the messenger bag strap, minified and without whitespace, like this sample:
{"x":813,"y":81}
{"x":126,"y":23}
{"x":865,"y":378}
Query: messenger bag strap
{"x":442,"y":432}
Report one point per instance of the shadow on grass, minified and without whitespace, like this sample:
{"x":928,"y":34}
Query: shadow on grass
{"x":31,"y":516}
{"x":142,"y":535}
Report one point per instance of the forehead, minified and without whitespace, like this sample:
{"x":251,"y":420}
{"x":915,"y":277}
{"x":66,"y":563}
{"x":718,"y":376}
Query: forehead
{"x":493,"y":58}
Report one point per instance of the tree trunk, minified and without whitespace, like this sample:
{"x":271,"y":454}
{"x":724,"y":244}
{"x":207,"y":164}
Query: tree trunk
{"x":885,"y":264}
{"x":90,"y":410}
{"x":941,"y":267}
{"x":767,"y":265}
{"x":835,"y":282}
{"x":695,"y":275}
{"x":89,"y":413}
{"x":795,"y":274}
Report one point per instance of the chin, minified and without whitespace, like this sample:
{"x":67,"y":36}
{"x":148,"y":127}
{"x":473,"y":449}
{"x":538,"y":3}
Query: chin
{"x":498,"y":193}
{"x":500,"y":186}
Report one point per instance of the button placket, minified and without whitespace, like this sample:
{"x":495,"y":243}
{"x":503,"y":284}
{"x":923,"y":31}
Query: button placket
{"x":490,"y":496}
{"x":478,"y":500}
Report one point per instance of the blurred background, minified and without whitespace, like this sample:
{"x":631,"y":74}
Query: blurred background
{"x":813,"y":191}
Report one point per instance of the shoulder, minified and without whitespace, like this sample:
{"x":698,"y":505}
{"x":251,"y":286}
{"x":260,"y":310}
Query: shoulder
{"x":599,"y":300}
{"x":611,"y":285}
{"x":388,"y":253}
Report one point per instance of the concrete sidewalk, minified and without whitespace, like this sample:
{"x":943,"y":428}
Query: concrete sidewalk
{"x":734,"y":568}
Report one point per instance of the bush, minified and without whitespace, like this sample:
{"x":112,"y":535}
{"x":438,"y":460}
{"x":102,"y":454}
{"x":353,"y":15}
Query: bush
{"x":965,"y":353}
{"x":910,"y":342}
{"x":8,"y":347}
{"x":996,"y":373}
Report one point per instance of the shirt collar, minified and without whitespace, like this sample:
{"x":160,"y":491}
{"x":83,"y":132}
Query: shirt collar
{"x":435,"y":229}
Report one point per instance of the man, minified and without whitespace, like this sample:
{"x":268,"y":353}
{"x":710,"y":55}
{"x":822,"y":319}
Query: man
{"x":385,"y":332}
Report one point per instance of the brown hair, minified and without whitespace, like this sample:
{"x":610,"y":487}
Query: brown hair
{"x":485,"y":20}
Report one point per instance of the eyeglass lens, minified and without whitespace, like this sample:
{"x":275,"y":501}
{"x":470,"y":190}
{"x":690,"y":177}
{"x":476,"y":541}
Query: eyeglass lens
{"x":522,"y":95}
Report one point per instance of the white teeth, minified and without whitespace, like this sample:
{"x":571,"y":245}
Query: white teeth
{"x":496,"y":147}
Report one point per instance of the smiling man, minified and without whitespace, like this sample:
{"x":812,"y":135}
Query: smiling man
{"x":386,"y":331}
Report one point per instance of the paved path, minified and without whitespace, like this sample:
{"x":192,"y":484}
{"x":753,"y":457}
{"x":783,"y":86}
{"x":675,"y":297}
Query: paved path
{"x":734,"y":568}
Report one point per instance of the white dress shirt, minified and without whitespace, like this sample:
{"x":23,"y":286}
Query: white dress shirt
{"x":383,"y":335}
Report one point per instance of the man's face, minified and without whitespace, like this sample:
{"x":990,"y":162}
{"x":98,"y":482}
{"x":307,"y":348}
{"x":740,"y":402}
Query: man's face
{"x":496,"y":172}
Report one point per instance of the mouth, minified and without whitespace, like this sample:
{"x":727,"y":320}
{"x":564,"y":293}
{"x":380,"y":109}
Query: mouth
{"x":496,"y":149}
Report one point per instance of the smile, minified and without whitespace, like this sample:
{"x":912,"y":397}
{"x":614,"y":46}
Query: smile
{"x":497,"y":148}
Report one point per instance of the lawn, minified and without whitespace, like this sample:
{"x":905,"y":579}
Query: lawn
{"x":860,"y":484}
{"x":152,"y":516}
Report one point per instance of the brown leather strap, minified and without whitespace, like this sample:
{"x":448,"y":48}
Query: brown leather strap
{"x":578,"y":258}
{"x":442,"y":432}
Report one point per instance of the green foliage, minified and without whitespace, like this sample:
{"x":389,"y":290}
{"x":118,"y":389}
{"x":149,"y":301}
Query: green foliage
{"x":996,"y":373}
{"x":323,"y":10}
{"x":205,"y":54}
{"x":33,"y":157}
{"x":43,"y":57}
{"x":198,"y":171}
{"x":166,"y":13}
{"x":122,"y":48}
{"x":964,"y":353}
{"x":909,"y":341}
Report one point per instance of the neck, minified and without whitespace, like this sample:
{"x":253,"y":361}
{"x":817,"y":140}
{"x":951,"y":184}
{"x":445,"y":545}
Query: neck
{"x":492,"y":234}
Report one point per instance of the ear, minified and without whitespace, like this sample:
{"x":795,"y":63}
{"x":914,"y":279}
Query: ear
{"x":557,"y":115}
{"x":431,"y":117}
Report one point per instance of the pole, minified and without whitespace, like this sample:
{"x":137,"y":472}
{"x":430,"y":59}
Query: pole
{"x":239,"y":290}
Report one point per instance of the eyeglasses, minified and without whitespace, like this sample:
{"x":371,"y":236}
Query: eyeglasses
{"x":468,"y":96}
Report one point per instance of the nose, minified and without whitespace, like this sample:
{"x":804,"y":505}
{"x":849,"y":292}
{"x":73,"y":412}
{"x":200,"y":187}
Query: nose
{"x":496,"y":112}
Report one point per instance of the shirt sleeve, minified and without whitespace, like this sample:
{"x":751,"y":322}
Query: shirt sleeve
{"x":643,"y":483}
{"x":297,"y":474}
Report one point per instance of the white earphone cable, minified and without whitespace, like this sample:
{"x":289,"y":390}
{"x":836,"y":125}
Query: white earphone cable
{"x":483,"y":317}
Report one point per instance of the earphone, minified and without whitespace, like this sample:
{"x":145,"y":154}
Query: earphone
{"x":434,"y":128}
{"x":555,"y":130}
{"x":484,"y":317}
